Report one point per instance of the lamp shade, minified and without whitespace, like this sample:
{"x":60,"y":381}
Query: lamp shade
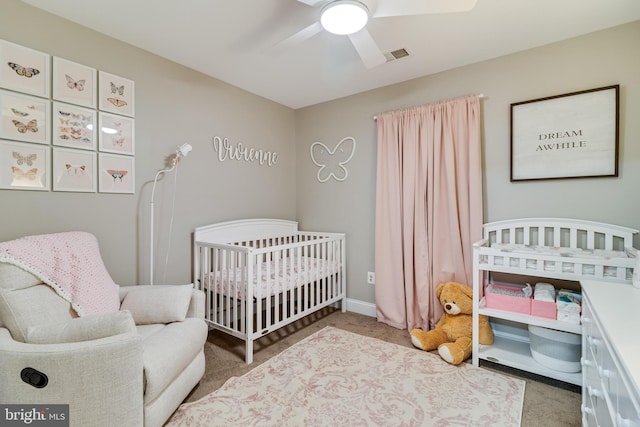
{"x":344,"y":17}
{"x":183,"y":150}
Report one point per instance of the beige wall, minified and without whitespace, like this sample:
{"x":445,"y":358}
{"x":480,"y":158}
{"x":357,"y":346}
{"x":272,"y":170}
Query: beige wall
{"x":174,"y":105}
{"x":595,"y":60}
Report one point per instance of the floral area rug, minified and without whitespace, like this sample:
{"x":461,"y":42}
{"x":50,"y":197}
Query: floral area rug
{"x":339,"y":378}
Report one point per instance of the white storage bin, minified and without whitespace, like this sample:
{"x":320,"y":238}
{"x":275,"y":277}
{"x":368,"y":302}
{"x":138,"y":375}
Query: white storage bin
{"x":556,"y":350}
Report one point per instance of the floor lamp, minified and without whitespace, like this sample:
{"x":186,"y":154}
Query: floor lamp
{"x":182,"y":151}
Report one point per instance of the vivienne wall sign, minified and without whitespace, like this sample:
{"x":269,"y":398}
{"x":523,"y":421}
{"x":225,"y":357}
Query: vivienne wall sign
{"x":574,"y":135}
{"x":226,"y":150}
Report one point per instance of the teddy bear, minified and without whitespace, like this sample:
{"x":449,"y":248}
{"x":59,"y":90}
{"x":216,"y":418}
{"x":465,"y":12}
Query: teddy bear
{"x":452,"y":334}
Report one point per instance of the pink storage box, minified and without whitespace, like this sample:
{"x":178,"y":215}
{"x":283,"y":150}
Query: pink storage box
{"x":544,"y":309}
{"x":507,"y":302}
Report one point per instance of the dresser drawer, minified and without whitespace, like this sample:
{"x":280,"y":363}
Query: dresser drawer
{"x":609,"y":394}
{"x":602,"y":406}
{"x":628,"y":407}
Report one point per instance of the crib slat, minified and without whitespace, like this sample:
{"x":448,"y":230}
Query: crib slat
{"x":556,"y":236}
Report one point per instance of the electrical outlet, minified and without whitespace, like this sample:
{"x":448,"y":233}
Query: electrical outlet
{"x":371,"y":278}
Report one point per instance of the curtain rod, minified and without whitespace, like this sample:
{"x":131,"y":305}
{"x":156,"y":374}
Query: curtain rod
{"x":480,"y":95}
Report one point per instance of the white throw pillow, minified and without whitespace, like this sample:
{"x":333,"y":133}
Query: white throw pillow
{"x":158,"y":303}
{"x":85,"y":328}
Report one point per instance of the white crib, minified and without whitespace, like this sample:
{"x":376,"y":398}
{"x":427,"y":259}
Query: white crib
{"x":262,"y":274}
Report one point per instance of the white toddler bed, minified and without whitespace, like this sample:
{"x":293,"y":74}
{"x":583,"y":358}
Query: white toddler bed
{"x":262,"y":274}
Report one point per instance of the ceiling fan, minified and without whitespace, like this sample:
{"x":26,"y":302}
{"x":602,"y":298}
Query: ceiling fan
{"x":349,"y":17}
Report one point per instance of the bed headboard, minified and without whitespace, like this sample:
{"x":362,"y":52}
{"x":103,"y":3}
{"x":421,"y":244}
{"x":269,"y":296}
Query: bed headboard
{"x":563,"y":232}
{"x":244,"y":229}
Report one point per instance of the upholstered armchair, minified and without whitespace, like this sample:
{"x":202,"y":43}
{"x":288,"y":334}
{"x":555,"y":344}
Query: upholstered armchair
{"x":128,"y":359}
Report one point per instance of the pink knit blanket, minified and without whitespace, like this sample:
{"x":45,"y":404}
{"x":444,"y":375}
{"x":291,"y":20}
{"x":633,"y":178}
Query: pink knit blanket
{"x":71,"y":264}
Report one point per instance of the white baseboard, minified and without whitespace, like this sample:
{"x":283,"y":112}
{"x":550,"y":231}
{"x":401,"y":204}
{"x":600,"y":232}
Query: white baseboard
{"x":361,"y":307}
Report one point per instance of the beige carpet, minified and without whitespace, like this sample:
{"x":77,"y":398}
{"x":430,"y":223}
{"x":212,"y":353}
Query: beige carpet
{"x":547,"y":403}
{"x":335,"y":378}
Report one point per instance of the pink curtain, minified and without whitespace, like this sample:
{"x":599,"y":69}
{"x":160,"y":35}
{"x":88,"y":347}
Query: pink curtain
{"x":428,"y":207}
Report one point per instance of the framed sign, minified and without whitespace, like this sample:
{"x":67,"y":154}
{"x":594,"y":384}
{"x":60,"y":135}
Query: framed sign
{"x":574,"y":135}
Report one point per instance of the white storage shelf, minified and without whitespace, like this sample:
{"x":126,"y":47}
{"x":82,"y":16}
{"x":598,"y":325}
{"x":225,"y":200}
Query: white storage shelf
{"x":513,"y":350}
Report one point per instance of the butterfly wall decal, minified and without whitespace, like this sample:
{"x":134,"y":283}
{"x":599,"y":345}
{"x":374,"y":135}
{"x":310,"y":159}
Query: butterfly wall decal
{"x":19,"y":113}
{"x":20,"y":175}
{"x":117,"y":89}
{"x":23,"y":71}
{"x":28,"y":159}
{"x":117,"y":142}
{"x":117,"y":102}
{"x":332,"y":162}
{"x":63,"y":121}
{"x":115,"y":174}
{"x":75,"y":84}
{"x":31,"y":126}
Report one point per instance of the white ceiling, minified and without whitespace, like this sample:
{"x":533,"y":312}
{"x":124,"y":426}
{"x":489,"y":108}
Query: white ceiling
{"x":231,"y":39}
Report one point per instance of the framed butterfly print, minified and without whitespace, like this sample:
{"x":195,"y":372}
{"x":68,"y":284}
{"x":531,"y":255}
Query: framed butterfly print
{"x":117,"y":133}
{"x":24,"y":118}
{"x":116,"y":94}
{"x":74,"y":83}
{"x":74,"y":170}
{"x":116,"y":173}
{"x":24,"y":166}
{"x":24,"y":70}
{"x":74,"y":126}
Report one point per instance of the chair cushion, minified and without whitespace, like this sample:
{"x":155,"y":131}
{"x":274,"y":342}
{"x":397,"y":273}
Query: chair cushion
{"x":86,"y":328}
{"x":167,"y":352}
{"x":25,"y":301}
{"x":158,"y":304}
{"x":36,"y":305}
{"x":13,"y":277}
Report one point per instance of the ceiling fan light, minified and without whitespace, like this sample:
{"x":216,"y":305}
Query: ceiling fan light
{"x":344,"y":17}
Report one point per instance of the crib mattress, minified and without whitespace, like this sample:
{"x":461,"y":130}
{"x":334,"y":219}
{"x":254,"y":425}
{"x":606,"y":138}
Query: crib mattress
{"x":271,"y":277}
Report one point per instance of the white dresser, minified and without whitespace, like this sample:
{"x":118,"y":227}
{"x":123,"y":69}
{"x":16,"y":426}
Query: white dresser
{"x":610,"y":354}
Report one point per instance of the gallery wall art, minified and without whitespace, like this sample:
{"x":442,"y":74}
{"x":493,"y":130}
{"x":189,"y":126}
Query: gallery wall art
{"x":64,"y":126}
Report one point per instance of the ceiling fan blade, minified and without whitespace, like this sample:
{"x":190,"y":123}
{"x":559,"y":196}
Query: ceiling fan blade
{"x":311,"y":2}
{"x":297,"y":38}
{"x":367,"y":48}
{"x":421,"y":7}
